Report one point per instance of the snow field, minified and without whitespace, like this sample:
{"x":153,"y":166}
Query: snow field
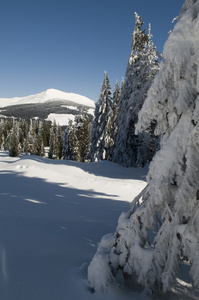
{"x":52,"y":216}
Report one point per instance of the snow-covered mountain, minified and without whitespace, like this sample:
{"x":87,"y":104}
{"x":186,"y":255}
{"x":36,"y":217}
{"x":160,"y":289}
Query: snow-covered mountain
{"x":51,"y":104}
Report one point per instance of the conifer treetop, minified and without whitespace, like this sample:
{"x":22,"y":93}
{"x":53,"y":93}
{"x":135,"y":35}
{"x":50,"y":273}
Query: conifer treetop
{"x":139,"y":37}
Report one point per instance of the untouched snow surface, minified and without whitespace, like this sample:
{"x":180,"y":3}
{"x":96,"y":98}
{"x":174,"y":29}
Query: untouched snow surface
{"x":48,"y":95}
{"x":52,"y":216}
{"x":61,"y":119}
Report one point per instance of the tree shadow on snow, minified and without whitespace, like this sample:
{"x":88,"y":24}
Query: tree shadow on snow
{"x":104,"y":168}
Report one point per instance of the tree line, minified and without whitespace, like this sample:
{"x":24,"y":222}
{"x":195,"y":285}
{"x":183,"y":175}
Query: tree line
{"x":44,"y":138}
{"x":111,"y":135}
{"x":157,"y":240}
{"x":114,"y":134}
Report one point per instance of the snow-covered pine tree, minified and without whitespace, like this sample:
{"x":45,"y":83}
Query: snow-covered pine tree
{"x":40,"y":144}
{"x":45,"y":132}
{"x":112,"y":127}
{"x":34,"y":138}
{"x":52,"y":141}
{"x":23,"y":132}
{"x":13,"y":137}
{"x":142,"y":66}
{"x":76,"y":139}
{"x":69,"y":142}
{"x":65,"y":150}
{"x":99,"y":130}
{"x":1,"y":136}
{"x":6,"y":128}
{"x":82,"y":126}
{"x":140,"y":247}
{"x":186,"y":5}
{"x":58,"y":142}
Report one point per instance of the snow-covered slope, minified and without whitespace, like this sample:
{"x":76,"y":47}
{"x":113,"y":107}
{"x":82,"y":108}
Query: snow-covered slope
{"x":51,"y":104}
{"x":48,"y":95}
{"x":52,"y":216}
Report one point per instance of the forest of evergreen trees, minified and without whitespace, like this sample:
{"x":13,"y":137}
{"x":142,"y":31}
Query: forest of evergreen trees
{"x":158,"y":236}
{"x":44,"y":138}
{"x":151,"y":106}
{"x":111,"y":134}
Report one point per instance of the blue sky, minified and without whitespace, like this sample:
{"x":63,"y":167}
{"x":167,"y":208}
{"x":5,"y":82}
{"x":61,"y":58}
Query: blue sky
{"x":67,"y":45}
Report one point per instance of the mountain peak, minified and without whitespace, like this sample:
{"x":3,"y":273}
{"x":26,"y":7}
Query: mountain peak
{"x":52,"y":105}
{"x":48,"y":95}
{"x":54,"y":93}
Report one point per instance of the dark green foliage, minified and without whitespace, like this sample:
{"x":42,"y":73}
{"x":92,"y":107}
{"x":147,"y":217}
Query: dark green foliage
{"x":76,"y":141}
{"x":68,"y":142}
{"x":132,"y":149}
{"x":14,"y":141}
{"x":99,"y":129}
{"x":58,"y":142}
{"x":112,"y":126}
{"x":52,"y":141}
{"x":45,"y":132}
{"x":42,"y":110}
{"x":82,"y":135}
{"x":19,"y":136}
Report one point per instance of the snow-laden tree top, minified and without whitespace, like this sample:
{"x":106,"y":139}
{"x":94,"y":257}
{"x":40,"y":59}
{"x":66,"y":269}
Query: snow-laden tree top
{"x":186,"y":5}
{"x":141,"y":69}
{"x":176,"y":86}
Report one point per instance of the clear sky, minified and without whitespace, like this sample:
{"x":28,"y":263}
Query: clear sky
{"x":67,"y":45}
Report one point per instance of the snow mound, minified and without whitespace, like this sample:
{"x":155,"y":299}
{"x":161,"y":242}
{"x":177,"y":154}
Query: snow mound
{"x":48,"y":95}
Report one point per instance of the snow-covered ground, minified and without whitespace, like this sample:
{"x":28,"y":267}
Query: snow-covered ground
{"x":52,"y":216}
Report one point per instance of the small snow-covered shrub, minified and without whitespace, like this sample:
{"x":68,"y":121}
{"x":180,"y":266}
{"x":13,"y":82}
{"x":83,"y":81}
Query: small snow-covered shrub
{"x":99,"y":272}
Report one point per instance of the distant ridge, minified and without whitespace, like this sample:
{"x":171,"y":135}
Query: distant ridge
{"x":51,"y":105}
{"x":48,"y":95}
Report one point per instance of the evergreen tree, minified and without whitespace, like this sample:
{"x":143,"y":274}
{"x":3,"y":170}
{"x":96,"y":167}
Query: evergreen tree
{"x":52,"y":141}
{"x":76,"y":139}
{"x":186,"y":5}
{"x":160,"y":231}
{"x":99,"y":129}
{"x":68,"y":142}
{"x":2,"y":135}
{"x":26,"y":146}
{"x":39,"y":144}
{"x":45,"y":132}
{"x":34,"y":138}
{"x":58,"y":142}
{"x":84,"y":145}
{"x":1,"y":139}
{"x":30,"y":138}
{"x":112,"y":127}
{"x":14,"y":148}
{"x":7,"y":126}
{"x":23,"y":132}
{"x":82,"y":128}
{"x":142,"y":67}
